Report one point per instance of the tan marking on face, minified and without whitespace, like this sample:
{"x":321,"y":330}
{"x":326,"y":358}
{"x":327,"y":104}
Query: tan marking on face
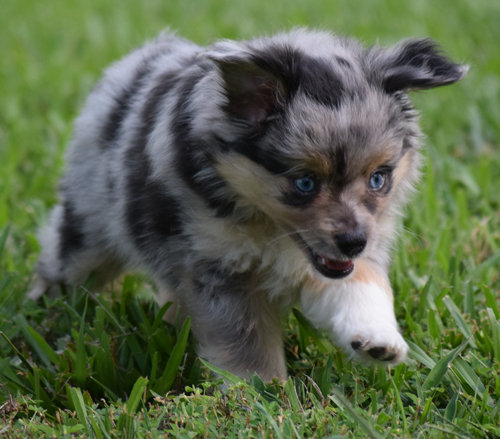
{"x":319,"y":164}
{"x":360,"y":189}
{"x":255,"y":185}
{"x":383,"y":157}
{"x":367,"y":273}
{"x":402,"y":168}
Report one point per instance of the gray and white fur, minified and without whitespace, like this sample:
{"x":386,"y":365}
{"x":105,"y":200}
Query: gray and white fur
{"x":246,"y":178}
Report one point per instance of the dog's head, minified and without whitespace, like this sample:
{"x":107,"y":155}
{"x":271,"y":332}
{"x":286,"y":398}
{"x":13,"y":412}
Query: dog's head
{"x":321,"y":137}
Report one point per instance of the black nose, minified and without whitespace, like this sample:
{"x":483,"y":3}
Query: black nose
{"x":351,"y":243}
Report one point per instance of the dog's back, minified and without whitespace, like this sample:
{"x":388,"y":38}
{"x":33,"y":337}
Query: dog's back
{"x":86,"y":232}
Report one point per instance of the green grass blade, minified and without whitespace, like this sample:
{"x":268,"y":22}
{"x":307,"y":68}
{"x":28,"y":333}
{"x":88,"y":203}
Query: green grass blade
{"x":44,"y":346}
{"x":69,"y":309}
{"x":317,"y":338}
{"x":439,"y":370}
{"x":451,"y":409}
{"x":21,"y":356}
{"x":425,"y":412}
{"x":96,"y":428}
{"x":81,"y":411}
{"x":159,"y":317}
{"x":126,"y":425}
{"x":152,"y":376}
{"x":22,"y":324}
{"x":105,"y":365}
{"x":418,"y":354}
{"x":344,"y":404}
{"x":111,"y":315}
{"x":269,"y":418}
{"x":5,"y":284}
{"x":11,"y":380}
{"x":227,"y":376}
{"x":138,"y":352}
{"x":399,"y":403}
{"x":422,"y":306}
{"x":291,"y":393}
{"x":492,"y":261}
{"x":491,"y":302}
{"x":3,"y":239}
{"x":433,"y":327}
{"x":113,"y":396}
{"x":136,"y":396}
{"x":469,"y":378}
{"x":457,"y":315}
{"x":495,"y":329}
{"x":47,"y":430}
{"x":81,"y":372}
{"x":324,"y":377}
{"x":167,"y":379}
{"x":40,"y":393}
{"x":102,"y":427}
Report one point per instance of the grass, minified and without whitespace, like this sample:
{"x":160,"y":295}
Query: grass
{"x":106,"y":365}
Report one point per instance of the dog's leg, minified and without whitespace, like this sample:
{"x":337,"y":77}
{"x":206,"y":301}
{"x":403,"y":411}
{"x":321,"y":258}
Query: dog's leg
{"x":237,"y":330}
{"x":176,"y":314}
{"x":359,"y":312}
{"x":70,"y":253}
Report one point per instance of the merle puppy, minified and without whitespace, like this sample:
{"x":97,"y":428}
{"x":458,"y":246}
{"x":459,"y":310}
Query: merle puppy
{"x":245,"y":178}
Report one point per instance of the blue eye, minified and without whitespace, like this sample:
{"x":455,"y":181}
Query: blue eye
{"x":377,"y":180}
{"x":305,"y":184}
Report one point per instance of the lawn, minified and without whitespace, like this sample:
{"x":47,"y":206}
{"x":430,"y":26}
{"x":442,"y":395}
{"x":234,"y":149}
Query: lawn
{"x":105,"y":365}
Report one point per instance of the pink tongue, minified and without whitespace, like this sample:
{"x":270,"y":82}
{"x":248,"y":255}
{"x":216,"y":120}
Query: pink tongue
{"x":337,"y":265}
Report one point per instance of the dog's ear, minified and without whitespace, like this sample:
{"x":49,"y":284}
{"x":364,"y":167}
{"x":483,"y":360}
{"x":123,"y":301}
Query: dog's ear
{"x":414,"y":65}
{"x":253,"y":90}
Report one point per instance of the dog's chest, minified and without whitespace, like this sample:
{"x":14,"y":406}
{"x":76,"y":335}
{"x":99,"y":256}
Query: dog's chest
{"x":258,"y":248}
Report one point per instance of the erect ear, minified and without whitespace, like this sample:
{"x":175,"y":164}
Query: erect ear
{"x":415,"y":65}
{"x":253,"y":90}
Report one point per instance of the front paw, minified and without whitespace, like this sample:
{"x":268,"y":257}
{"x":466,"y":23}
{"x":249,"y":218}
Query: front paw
{"x":387,"y":345}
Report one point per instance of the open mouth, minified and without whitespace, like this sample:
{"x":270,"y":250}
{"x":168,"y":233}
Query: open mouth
{"x":329,"y":267}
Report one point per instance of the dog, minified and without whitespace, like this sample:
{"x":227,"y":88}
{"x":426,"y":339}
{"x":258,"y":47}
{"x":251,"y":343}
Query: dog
{"x":246,"y":178}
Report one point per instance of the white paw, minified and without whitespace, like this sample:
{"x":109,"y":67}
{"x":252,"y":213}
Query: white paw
{"x":380,"y":344}
{"x":361,"y":319}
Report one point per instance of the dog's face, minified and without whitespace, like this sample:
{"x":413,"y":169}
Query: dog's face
{"x":327,"y":144}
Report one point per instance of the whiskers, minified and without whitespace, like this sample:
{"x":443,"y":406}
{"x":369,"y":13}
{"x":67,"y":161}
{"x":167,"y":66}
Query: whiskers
{"x":300,"y":243}
{"x":406,"y":230}
{"x":284,"y":235}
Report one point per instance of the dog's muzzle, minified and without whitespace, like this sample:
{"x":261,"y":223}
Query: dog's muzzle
{"x":335,"y":269}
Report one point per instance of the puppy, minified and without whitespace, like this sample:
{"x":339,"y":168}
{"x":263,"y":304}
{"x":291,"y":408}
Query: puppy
{"x":246,"y":178}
